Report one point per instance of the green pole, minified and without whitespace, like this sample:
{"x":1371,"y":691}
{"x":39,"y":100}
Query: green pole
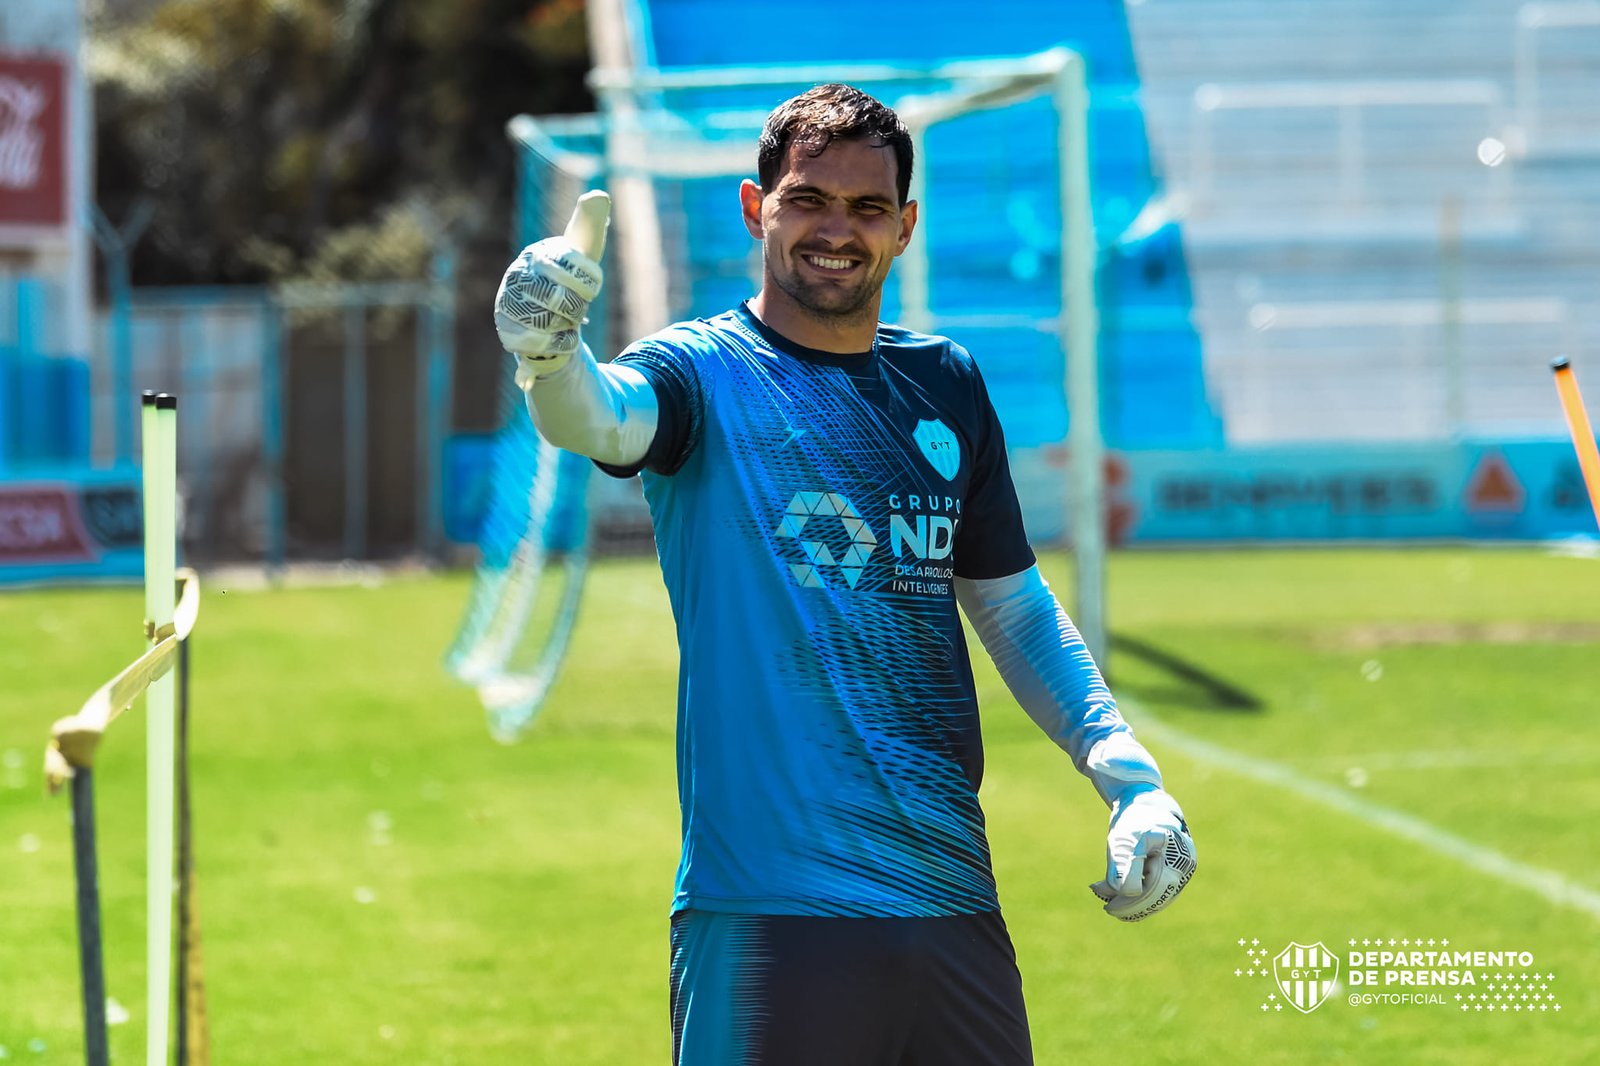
{"x":160,"y":561}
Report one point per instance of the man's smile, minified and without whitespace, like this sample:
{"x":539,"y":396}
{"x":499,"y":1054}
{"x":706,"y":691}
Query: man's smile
{"x":829,"y":264}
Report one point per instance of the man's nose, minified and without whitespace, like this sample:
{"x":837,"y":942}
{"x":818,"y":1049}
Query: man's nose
{"x":834,"y":226}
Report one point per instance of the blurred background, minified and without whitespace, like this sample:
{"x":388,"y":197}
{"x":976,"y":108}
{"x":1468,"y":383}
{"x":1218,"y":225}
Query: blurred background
{"x":1336,"y":246}
{"x":1351,"y":600}
{"x":291,"y":215}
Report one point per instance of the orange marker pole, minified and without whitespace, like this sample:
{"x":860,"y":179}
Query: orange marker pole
{"x":1582,"y":433}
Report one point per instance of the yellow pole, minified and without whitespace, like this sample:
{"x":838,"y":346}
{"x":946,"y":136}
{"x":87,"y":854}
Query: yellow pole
{"x":1582,"y":433}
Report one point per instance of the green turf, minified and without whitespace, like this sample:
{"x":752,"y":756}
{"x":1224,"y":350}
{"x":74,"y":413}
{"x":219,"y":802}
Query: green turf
{"x":381,"y":883}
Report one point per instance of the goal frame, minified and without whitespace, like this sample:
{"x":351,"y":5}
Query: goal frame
{"x":635,"y":140}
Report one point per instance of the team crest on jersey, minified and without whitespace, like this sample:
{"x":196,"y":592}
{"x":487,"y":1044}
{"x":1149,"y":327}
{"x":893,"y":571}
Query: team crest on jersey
{"x":939,"y":447}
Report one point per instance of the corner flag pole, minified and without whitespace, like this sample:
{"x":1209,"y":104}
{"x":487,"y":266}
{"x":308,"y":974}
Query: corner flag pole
{"x":1582,"y":433}
{"x":160,"y":415}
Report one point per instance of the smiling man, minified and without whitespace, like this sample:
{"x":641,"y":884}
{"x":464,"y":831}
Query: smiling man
{"x":832,"y":214}
{"x":826,"y":489}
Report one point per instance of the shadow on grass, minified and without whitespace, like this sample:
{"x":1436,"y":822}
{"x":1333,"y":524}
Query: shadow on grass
{"x":1194,"y":686}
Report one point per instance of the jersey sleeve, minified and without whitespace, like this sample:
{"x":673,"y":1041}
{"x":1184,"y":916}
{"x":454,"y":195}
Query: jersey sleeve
{"x":680,"y":399}
{"x":991,"y":541}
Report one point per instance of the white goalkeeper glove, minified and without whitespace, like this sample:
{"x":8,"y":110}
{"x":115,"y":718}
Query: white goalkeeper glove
{"x":547,"y":290}
{"x":1149,"y":855}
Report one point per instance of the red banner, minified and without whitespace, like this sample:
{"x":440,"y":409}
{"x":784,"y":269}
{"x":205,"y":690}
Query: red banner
{"x":40,"y":523}
{"x":33,"y":141}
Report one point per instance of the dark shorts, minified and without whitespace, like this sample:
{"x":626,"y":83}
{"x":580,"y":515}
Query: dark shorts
{"x":784,"y":990}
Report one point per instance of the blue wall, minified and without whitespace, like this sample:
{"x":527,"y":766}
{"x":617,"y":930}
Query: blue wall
{"x":44,"y":396}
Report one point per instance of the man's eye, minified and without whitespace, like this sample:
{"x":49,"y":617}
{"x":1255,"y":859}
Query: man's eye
{"x":807,"y":200}
{"x":870,"y":209}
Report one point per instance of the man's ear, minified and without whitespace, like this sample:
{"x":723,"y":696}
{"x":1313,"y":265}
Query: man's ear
{"x":750,"y":208}
{"x":908,"y":224}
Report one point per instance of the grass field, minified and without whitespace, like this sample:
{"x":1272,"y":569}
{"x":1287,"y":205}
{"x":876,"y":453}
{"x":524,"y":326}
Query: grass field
{"x":1367,"y":744}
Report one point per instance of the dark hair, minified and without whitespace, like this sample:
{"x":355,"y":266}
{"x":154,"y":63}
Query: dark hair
{"x":817,"y":116}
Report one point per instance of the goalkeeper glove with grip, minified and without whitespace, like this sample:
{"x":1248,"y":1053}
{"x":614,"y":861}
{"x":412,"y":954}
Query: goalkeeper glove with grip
{"x":547,"y":290}
{"x":1150,"y":855}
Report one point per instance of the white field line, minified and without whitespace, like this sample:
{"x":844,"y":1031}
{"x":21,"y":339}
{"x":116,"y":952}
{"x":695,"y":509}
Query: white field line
{"x":1552,"y":886}
{"x":1451,"y":758}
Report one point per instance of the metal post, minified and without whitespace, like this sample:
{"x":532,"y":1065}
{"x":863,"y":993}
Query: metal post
{"x":1201,"y":163}
{"x":355,"y":431}
{"x":91,"y":962}
{"x":916,"y":303}
{"x":1455,"y":410}
{"x":1080,"y":326}
{"x":117,"y":280}
{"x":116,"y":247}
{"x":272,"y":423}
{"x":1525,"y":75}
{"x":197,"y":376}
{"x":32,"y":313}
{"x":185,"y":856}
{"x":424,"y":420}
{"x":435,"y":399}
{"x":638,"y":247}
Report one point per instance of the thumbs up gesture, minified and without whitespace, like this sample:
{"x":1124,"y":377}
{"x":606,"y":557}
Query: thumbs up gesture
{"x":547,"y":289}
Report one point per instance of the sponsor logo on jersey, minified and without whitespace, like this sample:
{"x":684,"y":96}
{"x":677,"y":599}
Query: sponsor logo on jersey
{"x":922,"y":536}
{"x":835,"y":542}
{"x":926,"y":536}
{"x":814,"y":518}
{"x":929,"y":530}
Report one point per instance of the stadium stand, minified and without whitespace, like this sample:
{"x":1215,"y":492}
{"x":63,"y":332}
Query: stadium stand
{"x":1361,"y":270}
{"x":1154,"y":388}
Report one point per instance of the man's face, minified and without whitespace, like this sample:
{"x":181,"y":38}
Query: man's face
{"x":831,"y":226}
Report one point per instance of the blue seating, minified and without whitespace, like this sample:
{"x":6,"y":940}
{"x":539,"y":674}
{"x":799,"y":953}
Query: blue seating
{"x":990,"y":174}
{"x":44,"y":411}
{"x":44,"y":398}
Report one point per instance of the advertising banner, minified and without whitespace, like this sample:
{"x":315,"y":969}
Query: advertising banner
{"x":88,"y":527}
{"x":33,"y":141}
{"x":1473,"y":490}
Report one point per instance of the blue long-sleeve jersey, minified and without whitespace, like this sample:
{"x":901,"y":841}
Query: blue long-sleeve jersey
{"x":811,"y":512}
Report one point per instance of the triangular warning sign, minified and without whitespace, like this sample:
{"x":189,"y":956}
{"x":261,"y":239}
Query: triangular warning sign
{"x":1494,"y":486}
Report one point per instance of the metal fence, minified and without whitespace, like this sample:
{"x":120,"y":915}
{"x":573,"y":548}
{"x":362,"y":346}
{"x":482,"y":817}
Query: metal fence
{"x":314,"y":418}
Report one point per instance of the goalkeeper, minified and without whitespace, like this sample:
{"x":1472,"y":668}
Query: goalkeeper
{"x":825,"y":490}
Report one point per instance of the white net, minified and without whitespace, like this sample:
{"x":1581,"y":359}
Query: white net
{"x":992,"y":263}
{"x":534,"y":536}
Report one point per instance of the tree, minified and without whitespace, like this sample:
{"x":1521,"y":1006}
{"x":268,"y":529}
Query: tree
{"x":322,"y":139}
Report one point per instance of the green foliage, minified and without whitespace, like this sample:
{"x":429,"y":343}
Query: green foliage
{"x":276,"y":136}
{"x":381,"y":883}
